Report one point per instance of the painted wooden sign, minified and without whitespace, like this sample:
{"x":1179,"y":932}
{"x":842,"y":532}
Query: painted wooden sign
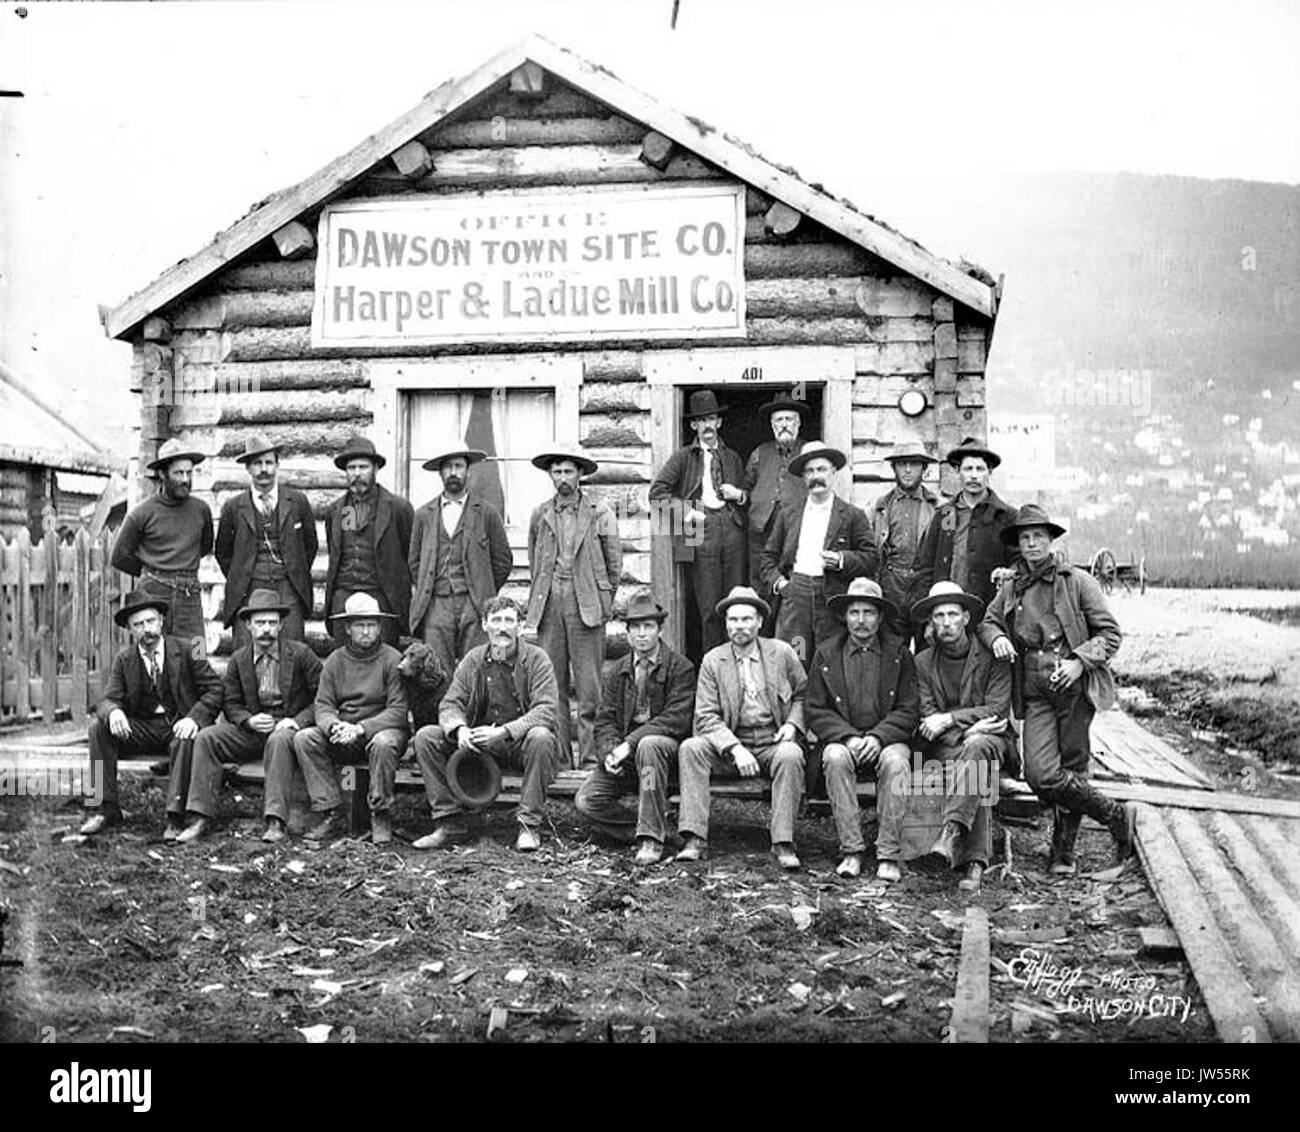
{"x":533,"y":265}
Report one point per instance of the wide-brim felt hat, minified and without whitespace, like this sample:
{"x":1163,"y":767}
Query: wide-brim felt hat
{"x":972,"y":447}
{"x":586,"y":465}
{"x":947,"y":593}
{"x":174,"y":450}
{"x":137,"y":600}
{"x":861,"y":589}
{"x":254,"y":446}
{"x":359,"y":607}
{"x":704,"y":403}
{"x":812,"y":450}
{"x":469,"y":455}
{"x":356,"y":448}
{"x":743,"y":595}
{"x":643,"y":607}
{"x":784,"y":402}
{"x":264,"y":601}
{"x":912,"y":451}
{"x":1030,"y":515}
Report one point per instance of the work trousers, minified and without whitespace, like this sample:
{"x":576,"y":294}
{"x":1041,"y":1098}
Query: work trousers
{"x":971,"y":780}
{"x":451,"y":627}
{"x":184,"y":617}
{"x":1055,"y":739}
{"x":570,"y":644}
{"x":152,"y":736}
{"x":698,"y":761}
{"x":318,"y":758}
{"x":598,"y":798}
{"x":893,"y":781}
{"x":804,"y":622}
{"x":292,"y":625}
{"x":230,"y":743}
{"x":389,"y":627}
{"x":719,"y":567}
{"x":535,"y":754}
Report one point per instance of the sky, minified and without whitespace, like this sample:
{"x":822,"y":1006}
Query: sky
{"x":145,"y":129}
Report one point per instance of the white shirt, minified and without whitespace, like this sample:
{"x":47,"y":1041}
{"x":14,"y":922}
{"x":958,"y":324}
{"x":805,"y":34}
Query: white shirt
{"x":157,"y":658}
{"x":452,"y":509}
{"x":273,"y":496}
{"x":812,"y":537}
{"x":708,"y":494}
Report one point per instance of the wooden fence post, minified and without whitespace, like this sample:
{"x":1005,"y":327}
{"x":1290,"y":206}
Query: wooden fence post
{"x":50,"y":622}
{"x":79,"y":700}
{"x":23,"y":627}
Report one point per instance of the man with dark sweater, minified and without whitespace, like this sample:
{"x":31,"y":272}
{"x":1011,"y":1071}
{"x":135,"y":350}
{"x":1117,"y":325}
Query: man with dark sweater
{"x":360,"y":713}
{"x":164,"y":538}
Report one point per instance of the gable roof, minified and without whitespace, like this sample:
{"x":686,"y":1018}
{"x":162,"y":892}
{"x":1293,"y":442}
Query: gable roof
{"x":722,"y":150}
{"x":31,"y":432}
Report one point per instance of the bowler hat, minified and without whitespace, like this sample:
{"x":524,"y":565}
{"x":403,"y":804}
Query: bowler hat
{"x":704,"y":404}
{"x":643,"y":607}
{"x":972,"y":447}
{"x":784,"y":402}
{"x":913,"y":450}
{"x":811,"y":451}
{"x":743,"y":595}
{"x":861,"y":589}
{"x":469,"y":455}
{"x":174,"y":450}
{"x":356,"y":448}
{"x":263,"y":601}
{"x":586,"y":466}
{"x":360,"y":606}
{"x":137,"y":600}
{"x":254,"y":446}
{"x":1030,"y":515}
{"x":947,"y":593}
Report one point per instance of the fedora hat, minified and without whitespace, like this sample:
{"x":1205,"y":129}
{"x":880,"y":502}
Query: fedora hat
{"x":913,"y":450}
{"x":473,"y":778}
{"x":469,"y":455}
{"x":643,"y":607}
{"x":861,"y":589}
{"x":704,"y":403}
{"x":947,"y":593}
{"x":174,"y":450}
{"x":586,"y":465}
{"x":254,"y":446}
{"x":743,"y":595}
{"x":783,"y":401}
{"x":972,"y":447}
{"x":360,"y":606}
{"x":810,"y":451}
{"x":137,"y":600}
{"x":356,"y":448}
{"x":263,"y":601}
{"x":1030,"y":515}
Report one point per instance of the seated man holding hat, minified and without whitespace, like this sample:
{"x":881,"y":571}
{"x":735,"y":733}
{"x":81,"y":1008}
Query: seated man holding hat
{"x":160,"y":692}
{"x":862,"y":703}
{"x":965,"y":711}
{"x":645,"y":713}
{"x":360,"y":713}
{"x":749,"y":716}
{"x":270,"y":693}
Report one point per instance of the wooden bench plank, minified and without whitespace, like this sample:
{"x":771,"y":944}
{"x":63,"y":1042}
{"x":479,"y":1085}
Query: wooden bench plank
{"x":970,"y":1009}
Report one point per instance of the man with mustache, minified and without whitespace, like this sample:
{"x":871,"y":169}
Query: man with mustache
{"x":698,"y":496}
{"x":163,"y":540}
{"x":266,"y":539}
{"x":899,"y":518}
{"x":160,"y":692}
{"x":368,"y":532}
{"x":575,"y":559}
{"x":460,"y":557}
{"x":769,"y":487}
{"x":269,"y":695}
{"x":815,"y":549}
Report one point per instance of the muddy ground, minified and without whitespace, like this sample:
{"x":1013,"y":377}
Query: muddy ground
{"x":130,"y":939}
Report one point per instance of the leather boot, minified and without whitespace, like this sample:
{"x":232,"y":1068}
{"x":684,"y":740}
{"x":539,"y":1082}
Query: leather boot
{"x":1065,"y":830}
{"x":1079,"y":795}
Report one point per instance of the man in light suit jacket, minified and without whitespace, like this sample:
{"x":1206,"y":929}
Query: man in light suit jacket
{"x":266,"y":539}
{"x":749,"y":712}
{"x":575,"y":559}
{"x":460,"y":557}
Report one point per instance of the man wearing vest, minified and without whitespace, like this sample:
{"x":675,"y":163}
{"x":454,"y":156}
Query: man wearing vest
{"x":266,"y":539}
{"x":645,"y":713}
{"x":899,"y":518}
{"x":769,"y":487}
{"x":160,"y":692}
{"x":460,"y":557}
{"x":575,"y":559}
{"x":164,"y":538}
{"x":270,"y":692}
{"x":368,"y":532}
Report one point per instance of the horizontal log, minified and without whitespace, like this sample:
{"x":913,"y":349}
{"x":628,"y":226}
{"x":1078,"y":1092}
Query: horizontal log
{"x":815,"y":260}
{"x":630,"y":465}
{"x":502,"y":132}
{"x":618,"y":430}
{"x":611,"y":365}
{"x":890,"y":427}
{"x":604,"y":397}
{"x":632,"y":500}
{"x":889,"y":332}
{"x":967,"y":329}
{"x":970,"y":392}
{"x":971,"y":357}
{"x":257,"y":275}
{"x":225,"y":476}
{"x":288,"y":408}
{"x":888,"y":359}
{"x":273,"y":377}
{"x":293,"y":439}
{"x":562,"y":103}
{"x":871,"y":475}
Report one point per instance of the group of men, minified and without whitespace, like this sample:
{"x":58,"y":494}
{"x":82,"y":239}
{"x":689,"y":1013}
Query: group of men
{"x":808,"y":607}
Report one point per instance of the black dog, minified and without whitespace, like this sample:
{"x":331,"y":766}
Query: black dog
{"x":425,"y":681}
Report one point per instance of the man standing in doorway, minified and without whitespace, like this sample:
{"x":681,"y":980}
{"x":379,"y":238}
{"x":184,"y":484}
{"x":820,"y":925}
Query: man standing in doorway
{"x":701,"y":483}
{"x":460,"y":557}
{"x":266,"y":539}
{"x":164,"y":538}
{"x":368,"y":531}
{"x":575,"y":560}
{"x":899,"y":518}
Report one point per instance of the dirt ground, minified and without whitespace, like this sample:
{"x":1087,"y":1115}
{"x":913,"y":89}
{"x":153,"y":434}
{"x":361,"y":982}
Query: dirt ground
{"x":126,"y":938}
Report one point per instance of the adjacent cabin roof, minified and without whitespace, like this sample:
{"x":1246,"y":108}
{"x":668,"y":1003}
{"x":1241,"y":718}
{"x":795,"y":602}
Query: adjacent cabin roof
{"x":31,"y":432}
{"x":690,"y":133}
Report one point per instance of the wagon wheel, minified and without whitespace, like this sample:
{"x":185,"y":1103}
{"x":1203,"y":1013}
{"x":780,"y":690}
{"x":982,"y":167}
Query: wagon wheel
{"x":1105,"y":569}
{"x":1142,"y":574}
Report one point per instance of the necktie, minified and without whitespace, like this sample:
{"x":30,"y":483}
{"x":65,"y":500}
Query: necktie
{"x":266,"y":504}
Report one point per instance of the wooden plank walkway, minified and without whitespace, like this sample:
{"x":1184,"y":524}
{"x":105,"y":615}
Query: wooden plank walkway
{"x":1123,"y":748}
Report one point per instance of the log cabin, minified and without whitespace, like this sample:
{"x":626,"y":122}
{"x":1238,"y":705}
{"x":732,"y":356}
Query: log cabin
{"x":538,"y":255}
